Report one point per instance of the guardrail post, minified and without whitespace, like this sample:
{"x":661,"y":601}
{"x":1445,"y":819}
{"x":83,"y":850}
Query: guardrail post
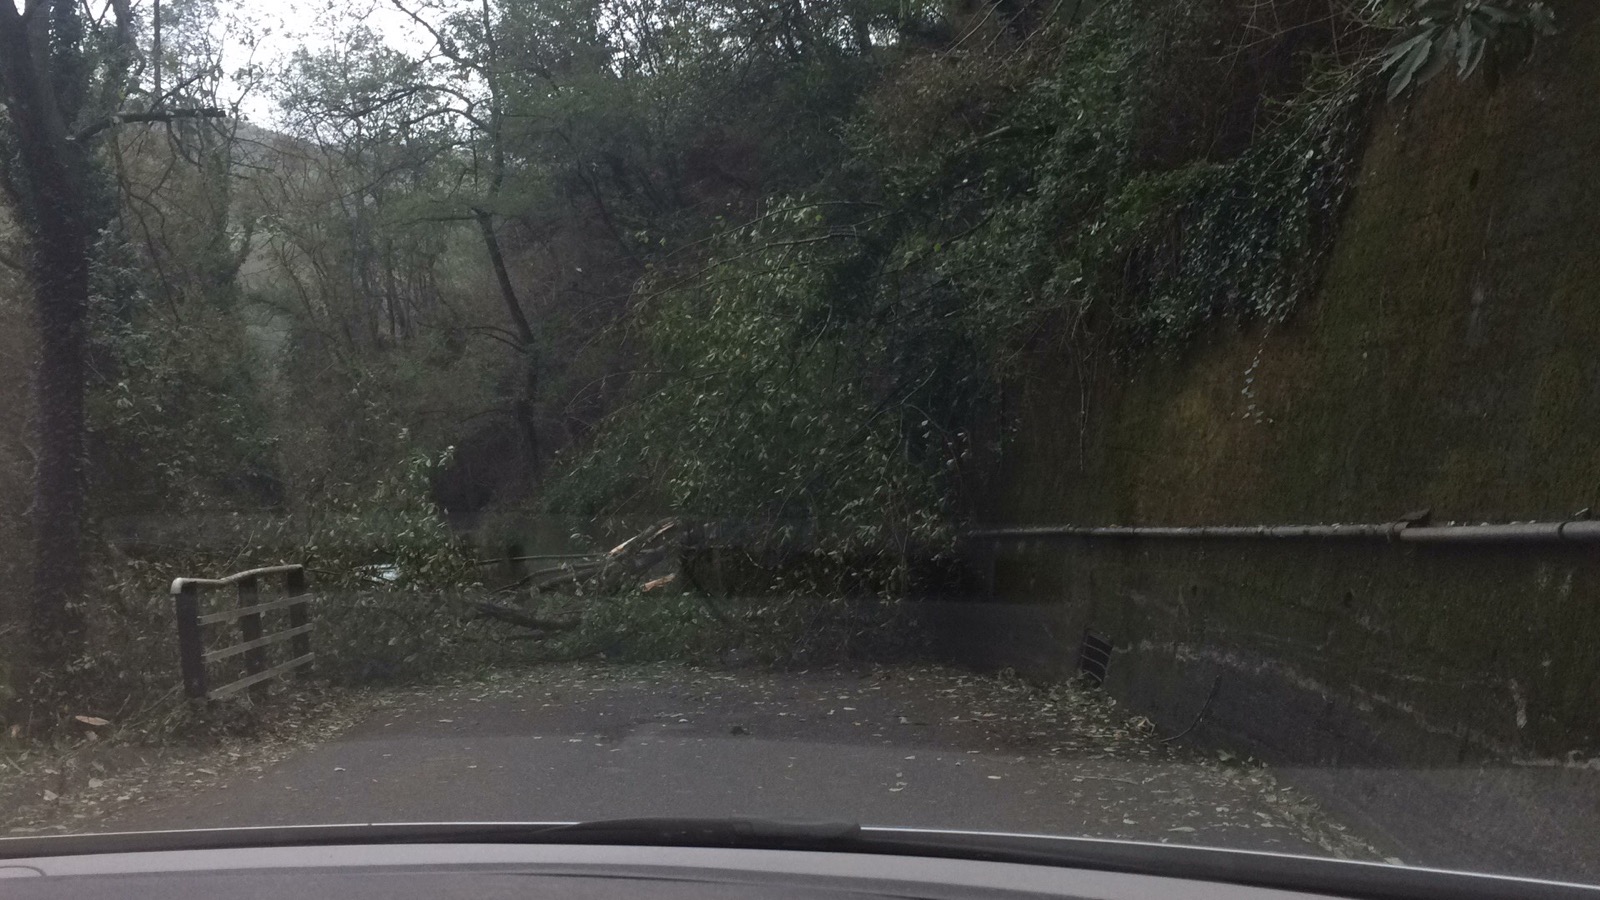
{"x":186,"y":601}
{"x":294,"y":583}
{"x":250,"y":629}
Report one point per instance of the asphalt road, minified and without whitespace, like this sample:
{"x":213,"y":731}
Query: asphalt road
{"x":900,"y":746}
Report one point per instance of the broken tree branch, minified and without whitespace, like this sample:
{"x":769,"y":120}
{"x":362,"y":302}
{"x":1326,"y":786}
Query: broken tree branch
{"x":545,"y":579}
{"x":501,"y":612}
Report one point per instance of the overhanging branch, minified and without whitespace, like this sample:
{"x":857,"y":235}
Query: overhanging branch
{"x":134,"y":118}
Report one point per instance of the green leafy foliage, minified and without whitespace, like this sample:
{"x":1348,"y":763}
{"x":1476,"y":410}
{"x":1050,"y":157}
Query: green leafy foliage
{"x":180,"y":424}
{"x":1462,"y":33}
{"x":1092,"y":212}
{"x":395,"y":582}
{"x":788,"y":629}
{"x":390,"y":521}
{"x":389,"y":576}
{"x":1239,"y":239}
{"x":831,"y":369}
{"x":775,"y":409}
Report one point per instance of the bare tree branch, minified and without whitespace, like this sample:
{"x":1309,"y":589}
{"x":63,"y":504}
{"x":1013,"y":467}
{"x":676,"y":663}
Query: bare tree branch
{"x":133,"y":118}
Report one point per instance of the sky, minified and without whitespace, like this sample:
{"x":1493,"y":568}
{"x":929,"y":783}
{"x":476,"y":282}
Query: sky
{"x":266,"y":32}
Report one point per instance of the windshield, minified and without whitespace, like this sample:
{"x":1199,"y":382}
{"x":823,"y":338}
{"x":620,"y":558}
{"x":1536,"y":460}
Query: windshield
{"x":1170,"y":421}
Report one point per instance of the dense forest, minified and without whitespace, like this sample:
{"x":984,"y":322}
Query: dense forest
{"x":763,"y":266}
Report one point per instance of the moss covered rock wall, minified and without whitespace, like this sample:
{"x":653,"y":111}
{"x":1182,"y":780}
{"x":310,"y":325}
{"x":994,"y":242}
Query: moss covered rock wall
{"x":1451,"y":361}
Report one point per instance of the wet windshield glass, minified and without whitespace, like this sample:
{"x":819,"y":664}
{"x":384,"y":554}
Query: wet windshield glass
{"x":1170,"y":420}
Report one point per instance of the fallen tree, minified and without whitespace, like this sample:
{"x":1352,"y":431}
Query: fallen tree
{"x":628,"y":564}
{"x":511,"y":615}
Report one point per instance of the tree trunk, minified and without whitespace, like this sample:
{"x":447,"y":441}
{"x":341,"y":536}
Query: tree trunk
{"x":528,"y":384}
{"x":56,"y":628}
{"x":46,"y":181}
{"x":50,"y":63}
{"x":523,"y":410}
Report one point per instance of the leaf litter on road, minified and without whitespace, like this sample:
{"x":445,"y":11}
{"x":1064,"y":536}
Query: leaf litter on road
{"x":1099,"y":748}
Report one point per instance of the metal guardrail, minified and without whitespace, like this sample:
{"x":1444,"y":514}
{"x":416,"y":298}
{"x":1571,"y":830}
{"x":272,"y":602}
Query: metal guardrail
{"x":192,"y":655}
{"x":1572,"y":531}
